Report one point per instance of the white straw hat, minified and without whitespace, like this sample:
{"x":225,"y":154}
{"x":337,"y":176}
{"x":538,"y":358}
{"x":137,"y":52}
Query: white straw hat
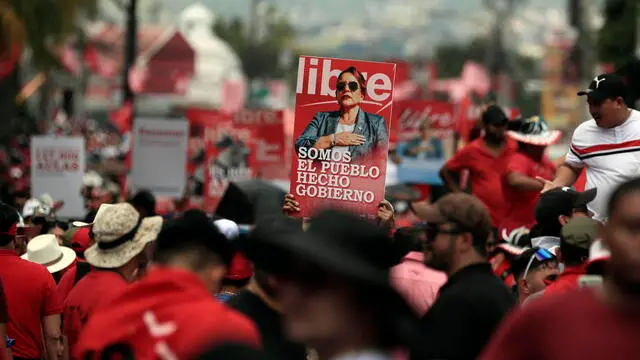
{"x":45,"y":250}
{"x":119,"y":234}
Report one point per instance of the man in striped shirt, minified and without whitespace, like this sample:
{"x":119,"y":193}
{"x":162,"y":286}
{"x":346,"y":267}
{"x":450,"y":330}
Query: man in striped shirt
{"x":607,"y":146}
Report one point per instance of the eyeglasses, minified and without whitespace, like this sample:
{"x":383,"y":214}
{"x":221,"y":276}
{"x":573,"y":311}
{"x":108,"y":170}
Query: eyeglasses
{"x":541,"y":254}
{"x":353,"y":85}
{"x":432,"y":231}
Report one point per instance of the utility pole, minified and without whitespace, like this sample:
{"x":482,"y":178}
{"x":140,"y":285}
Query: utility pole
{"x":130,"y":51}
{"x":497,"y":57}
{"x":579,"y":19}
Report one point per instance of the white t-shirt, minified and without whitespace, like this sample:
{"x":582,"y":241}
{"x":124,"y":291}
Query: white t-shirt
{"x":610,"y":156}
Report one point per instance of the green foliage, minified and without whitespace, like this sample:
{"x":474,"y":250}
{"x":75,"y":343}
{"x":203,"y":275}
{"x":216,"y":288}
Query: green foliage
{"x":47,"y":23}
{"x":260,"y":57}
{"x":451,"y":57}
{"x":617,"y":38}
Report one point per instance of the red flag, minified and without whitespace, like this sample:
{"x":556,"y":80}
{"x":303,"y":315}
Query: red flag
{"x":122,"y":118}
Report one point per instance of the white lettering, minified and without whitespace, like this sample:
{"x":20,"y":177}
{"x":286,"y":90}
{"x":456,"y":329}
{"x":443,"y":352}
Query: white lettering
{"x":379,"y":82}
{"x":333,"y":193}
{"x":378,"y":85}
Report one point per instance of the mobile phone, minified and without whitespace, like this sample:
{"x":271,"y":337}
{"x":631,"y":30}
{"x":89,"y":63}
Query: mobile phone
{"x":590,"y":281}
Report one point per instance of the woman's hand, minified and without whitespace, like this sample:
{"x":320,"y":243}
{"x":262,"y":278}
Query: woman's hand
{"x":384,"y":215}
{"x":290,"y":205}
{"x":349,"y":139}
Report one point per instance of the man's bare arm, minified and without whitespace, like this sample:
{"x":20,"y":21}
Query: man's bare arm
{"x":448,"y":179}
{"x":5,"y":353}
{"x":566,"y":175}
{"x":52,"y":336}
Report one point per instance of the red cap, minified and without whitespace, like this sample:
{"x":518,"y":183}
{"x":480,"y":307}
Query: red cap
{"x":80,"y":241}
{"x":240,"y":268}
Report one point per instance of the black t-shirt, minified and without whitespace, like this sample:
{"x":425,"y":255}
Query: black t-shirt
{"x":269,"y":324}
{"x":470,"y":306}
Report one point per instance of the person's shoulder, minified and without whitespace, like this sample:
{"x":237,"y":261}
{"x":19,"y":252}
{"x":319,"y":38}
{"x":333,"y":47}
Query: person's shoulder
{"x":585,"y":129}
{"x":561,"y":303}
{"x":34,"y":271}
{"x":373,"y":117}
{"x":217,"y":323}
{"x":327,"y":114}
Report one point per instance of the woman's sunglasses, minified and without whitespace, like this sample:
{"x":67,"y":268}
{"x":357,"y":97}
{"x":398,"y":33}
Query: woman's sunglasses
{"x":353,"y":85}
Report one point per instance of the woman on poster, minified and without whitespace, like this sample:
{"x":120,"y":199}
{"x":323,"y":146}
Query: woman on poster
{"x":349,"y":128}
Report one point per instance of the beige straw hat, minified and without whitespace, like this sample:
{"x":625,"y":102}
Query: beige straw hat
{"x":120,"y":234}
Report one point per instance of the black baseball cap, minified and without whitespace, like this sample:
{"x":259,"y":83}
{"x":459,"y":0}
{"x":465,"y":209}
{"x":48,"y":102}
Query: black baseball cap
{"x":562,"y":201}
{"x":605,"y":86}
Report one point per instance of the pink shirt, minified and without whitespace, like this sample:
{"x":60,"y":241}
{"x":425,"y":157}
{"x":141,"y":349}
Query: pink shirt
{"x":418,"y":284}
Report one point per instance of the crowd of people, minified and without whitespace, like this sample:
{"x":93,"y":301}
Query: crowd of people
{"x":522,"y":267}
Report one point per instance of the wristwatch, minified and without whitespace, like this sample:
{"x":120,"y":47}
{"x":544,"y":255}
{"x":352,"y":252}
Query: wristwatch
{"x":333,"y":140}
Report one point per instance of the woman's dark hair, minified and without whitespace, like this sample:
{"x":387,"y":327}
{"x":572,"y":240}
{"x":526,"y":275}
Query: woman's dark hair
{"x":620,"y":192}
{"x":358,"y":75}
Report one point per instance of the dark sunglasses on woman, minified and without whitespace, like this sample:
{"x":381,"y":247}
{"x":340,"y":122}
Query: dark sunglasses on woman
{"x":353,"y":85}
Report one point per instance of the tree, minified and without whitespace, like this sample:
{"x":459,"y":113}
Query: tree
{"x":617,"y":38}
{"x":260,"y":55}
{"x":39,"y":26}
{"x":451,"y":57}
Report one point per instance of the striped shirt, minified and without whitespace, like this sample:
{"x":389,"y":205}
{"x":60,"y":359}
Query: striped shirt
{"x":610,"y":156}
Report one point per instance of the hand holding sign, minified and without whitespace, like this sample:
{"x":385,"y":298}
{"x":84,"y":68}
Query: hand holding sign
{"x":290,"y":205}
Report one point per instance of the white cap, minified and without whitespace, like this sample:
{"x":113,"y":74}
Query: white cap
{"x":598,"y":251}
{"x":228,"y":228}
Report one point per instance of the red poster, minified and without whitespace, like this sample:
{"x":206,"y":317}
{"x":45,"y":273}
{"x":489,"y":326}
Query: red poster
{"x":267,"y":131}
{"x":341,"y":134}
{"x":410,"y":114}
{"x":226,"y":161}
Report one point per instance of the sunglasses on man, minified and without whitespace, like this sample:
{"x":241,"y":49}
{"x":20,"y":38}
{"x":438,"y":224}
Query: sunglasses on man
{"x":353,"y":85}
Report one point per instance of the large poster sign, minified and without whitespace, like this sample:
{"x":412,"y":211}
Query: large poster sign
{"x":57,"y":169}
{"x":425,"y":132}
{"x":341,"y":134}
{"x":160,"y":156}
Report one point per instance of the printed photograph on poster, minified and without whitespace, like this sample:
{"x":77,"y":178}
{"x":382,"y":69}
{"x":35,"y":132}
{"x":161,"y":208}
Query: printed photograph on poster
{"x":341,"y":134}
{"x":267,"y":133}
{"x":226,"y":161}
{"x":425,"y":132}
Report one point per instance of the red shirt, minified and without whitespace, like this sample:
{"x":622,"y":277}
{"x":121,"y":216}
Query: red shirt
{"x":4,"y":314}
{"x":31,"y":295}
{"x":168,"y":310}
{"x":67,"y":282}
{"x":485,"y":173}
{"x":84,"y":298}
{"x":574,"y":325}
{"x":568,"y":280}
{"x":521,"y":205}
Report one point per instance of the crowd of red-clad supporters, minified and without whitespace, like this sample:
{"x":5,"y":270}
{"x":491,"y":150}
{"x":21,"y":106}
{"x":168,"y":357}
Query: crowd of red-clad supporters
{"x":523,"y":267}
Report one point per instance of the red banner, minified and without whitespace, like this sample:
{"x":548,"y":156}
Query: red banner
{"x":341,"y":134}
{"x":262,"y":127}
{"x":410,"y":114}
{"x":226,"y":161}
{"x":267,"y":131}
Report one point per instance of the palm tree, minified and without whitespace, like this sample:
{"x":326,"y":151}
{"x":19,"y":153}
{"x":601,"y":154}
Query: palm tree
{"x":40,"y":26}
